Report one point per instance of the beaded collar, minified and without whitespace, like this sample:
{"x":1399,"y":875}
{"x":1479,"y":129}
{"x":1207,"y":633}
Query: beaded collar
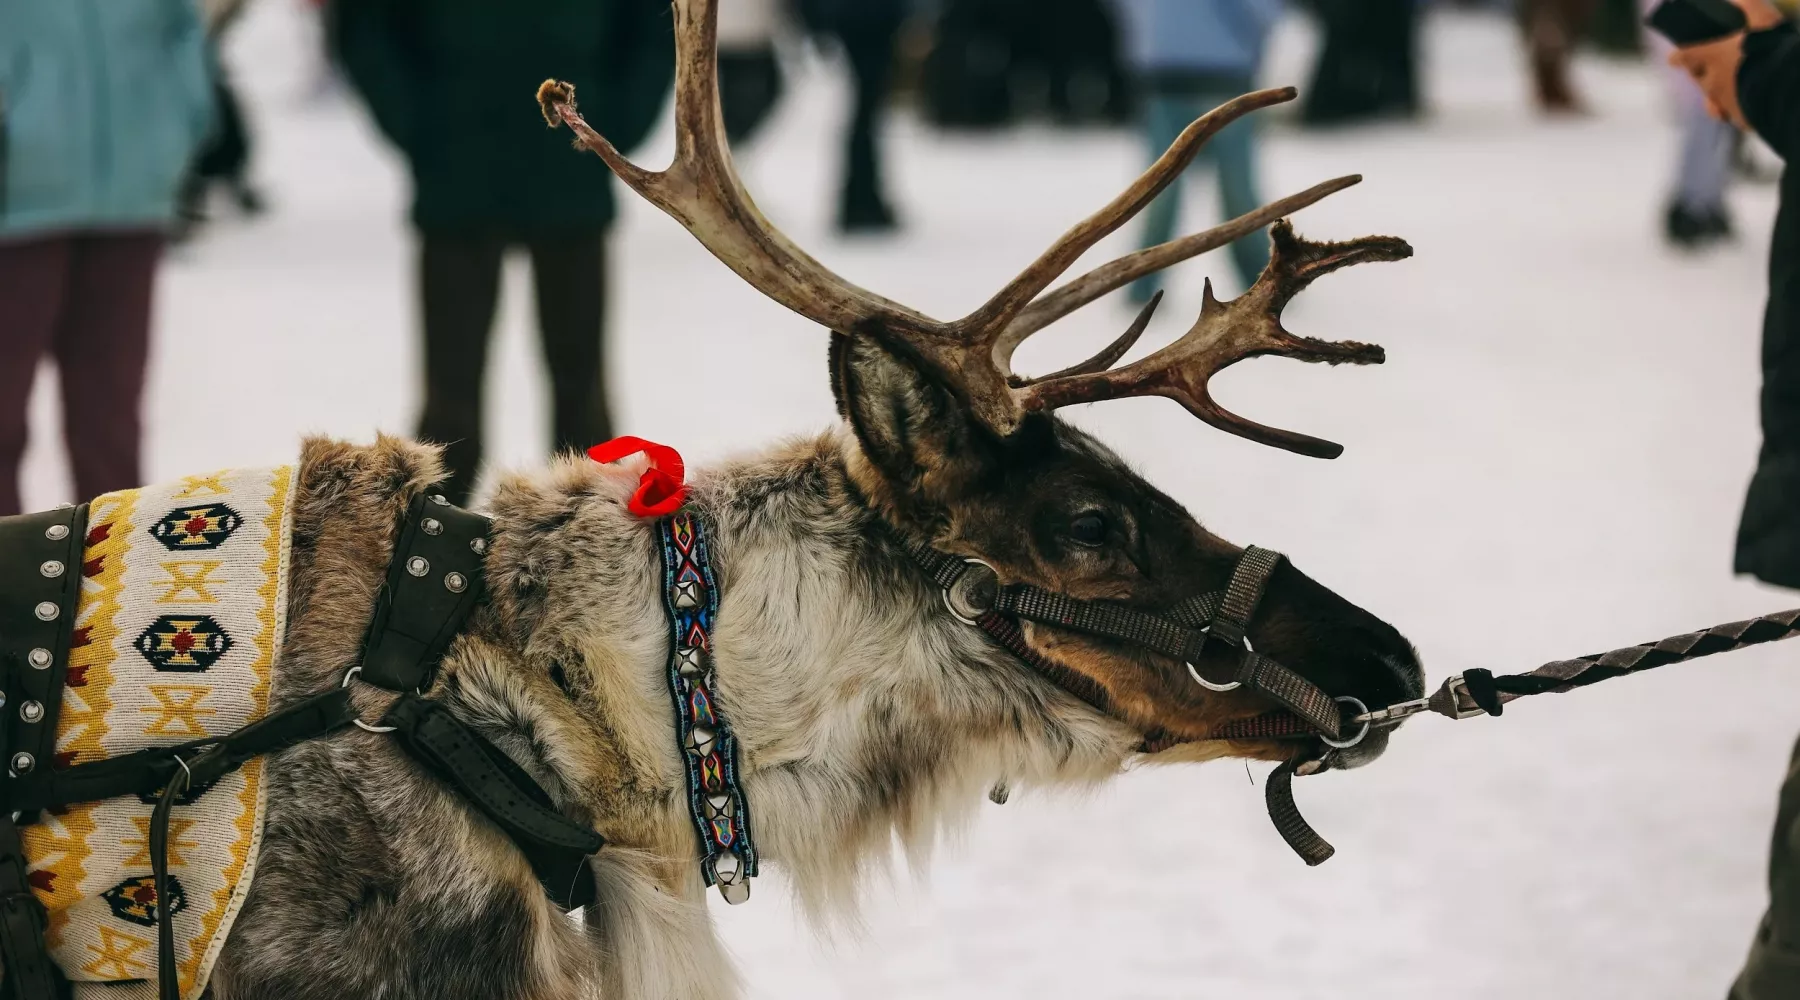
{"x":708,"y":748}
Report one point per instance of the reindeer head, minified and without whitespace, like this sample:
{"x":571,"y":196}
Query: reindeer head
{"x":965,"y":457}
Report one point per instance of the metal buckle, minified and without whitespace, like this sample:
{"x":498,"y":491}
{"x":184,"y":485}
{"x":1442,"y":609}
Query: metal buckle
{"x":1243,"y":645}
{"x":956,"y":593}
{"x":348,"y":676}
{"x":1453,"y":700}
{"x":1361,"y":734}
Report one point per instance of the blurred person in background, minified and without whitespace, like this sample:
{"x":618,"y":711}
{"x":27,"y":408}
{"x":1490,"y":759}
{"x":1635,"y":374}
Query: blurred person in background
{"x":1367,"y":67}
{"x":750,"y":79}
{"x":1696,"y":215}
{"x":102,"y":104}
{"x":1552,"y":29}
{"x":1191,"y":56}
{"x":450,"y":82}
{"x":1753,"y":81}
{"x":224,"y":159}
{"x":867,"y":31}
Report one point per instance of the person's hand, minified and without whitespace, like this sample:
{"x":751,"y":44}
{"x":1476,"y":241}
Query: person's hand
{"x":1714,"y":65}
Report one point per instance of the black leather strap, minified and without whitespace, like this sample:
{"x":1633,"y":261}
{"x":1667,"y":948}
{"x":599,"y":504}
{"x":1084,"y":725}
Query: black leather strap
{"x":30,"y":975}
{"x":432,"y":585}
{"x":556,"y":846}
{"x":40,"y":583}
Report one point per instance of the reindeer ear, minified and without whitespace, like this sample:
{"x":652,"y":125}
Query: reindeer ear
{"x":911,"y":428}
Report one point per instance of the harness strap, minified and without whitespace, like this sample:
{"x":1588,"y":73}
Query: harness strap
{"x":1278,"y":794}
{"x":30,"y":975}
{"x":556,"y":846}
{"x":432,"y":586}
{"x":40,"y":583}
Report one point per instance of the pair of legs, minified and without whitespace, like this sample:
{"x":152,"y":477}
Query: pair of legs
{"x":1368,"y":64}
{"x":1232,"y":152}
{"x":1552,"y":29}
{"x":84,"y":300}
{"x":459,"y":280}
{"x":1697,"y":212}
{"x":867,"y":29}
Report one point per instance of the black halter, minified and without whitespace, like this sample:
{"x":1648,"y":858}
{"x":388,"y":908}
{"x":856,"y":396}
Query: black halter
{"x":974,"y":594}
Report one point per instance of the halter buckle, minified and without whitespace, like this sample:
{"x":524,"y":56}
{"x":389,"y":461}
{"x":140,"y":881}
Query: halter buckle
{"x":972,"y":594}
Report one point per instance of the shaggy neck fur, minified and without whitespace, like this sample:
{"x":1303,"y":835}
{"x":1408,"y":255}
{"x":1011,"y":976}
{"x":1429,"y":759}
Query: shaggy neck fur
{"x":863,"y":711}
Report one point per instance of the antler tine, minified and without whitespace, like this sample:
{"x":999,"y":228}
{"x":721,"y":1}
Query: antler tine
{"x":1108,"y":356}
{"x":701,"y":190}
{"x":1110,"y":277}
{"x":988,"y":324}
{"x":1228,"y":332}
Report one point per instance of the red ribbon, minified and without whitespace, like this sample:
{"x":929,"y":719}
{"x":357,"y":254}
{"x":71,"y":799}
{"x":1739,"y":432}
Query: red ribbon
{"x":661,"y":490}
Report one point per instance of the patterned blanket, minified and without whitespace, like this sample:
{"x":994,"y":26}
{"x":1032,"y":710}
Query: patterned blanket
{"x":182,"y":614}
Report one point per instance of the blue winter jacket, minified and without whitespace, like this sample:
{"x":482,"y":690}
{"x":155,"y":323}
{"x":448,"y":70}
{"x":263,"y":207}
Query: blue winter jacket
{"x":102,"y":103}
{"x":1197,"y":36}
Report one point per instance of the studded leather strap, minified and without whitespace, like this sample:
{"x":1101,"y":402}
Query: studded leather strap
{"x":40,"y":575}
{"x":432,"y":585}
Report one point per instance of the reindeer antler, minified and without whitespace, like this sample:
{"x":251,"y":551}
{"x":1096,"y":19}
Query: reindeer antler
{"x":973,"y":355}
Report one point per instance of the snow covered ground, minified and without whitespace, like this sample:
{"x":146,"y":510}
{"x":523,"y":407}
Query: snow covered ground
{"x":1550,"y":464}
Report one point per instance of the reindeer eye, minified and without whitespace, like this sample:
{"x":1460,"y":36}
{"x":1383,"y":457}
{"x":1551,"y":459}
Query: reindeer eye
{"x":1088,"y":529}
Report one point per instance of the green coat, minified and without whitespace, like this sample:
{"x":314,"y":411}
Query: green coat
{"x":453,"y":83}
{"x":102,"y":103}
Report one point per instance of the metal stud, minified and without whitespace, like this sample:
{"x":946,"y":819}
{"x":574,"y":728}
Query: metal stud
{"x":32,"y":711}
{"x":687,"y":595}
{"x":47,"y":611}
{"x":690,"y":661}
{"x":455,"y":583}
{"x":2,"y":699}
{"x":52,"y":568}
{"x":478,"y":546}
{"x":22,"y":762}
{"x":57,"y":532}
{"x":39,"y":658}
{"x":432,"y":526}
{"x":418,"y":566}
{"x":438,"y":498}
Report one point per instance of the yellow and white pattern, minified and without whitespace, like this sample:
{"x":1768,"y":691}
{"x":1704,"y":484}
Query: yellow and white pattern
{"x":182,"y":613}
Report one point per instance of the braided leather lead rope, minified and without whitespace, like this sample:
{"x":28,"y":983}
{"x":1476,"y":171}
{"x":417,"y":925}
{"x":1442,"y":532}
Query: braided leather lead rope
{"x":1478,"y":692}
{"x":1567,"y":675}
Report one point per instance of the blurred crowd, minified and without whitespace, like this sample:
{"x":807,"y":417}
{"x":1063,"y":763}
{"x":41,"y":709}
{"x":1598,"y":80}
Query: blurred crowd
{"x":83,"y":81}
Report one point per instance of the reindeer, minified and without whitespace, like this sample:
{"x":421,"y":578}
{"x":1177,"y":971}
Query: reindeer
{"x":863,"y":709}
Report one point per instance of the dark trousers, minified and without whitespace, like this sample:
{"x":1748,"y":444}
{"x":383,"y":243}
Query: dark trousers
{"x":867,"y":29}
{"x":84,"y":300}
{"x":459,"y":279}
{"x":1552,"y":30}
{"x":1368,"y":65}
{"x":1772,"y":971}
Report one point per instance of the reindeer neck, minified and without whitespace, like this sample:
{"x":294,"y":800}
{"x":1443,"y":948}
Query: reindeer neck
{"x":861,"y":709}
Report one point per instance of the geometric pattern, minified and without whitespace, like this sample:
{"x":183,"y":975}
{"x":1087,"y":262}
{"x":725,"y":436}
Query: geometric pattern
{"x":197,"y":529}
{"x":715,"y":798}
{"x":182,"y":610}
{"x":135,"y":899}
{"x":184,"y":643}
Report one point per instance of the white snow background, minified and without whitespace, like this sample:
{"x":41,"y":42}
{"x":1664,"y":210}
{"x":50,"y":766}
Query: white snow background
{"x":1550,"y":463}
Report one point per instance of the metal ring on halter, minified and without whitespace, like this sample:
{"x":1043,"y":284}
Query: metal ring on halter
{"x":1209,"y":685}
{"x":951,"y":605}
{"x":1361,"y":709}
{"x":348,"y":674}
